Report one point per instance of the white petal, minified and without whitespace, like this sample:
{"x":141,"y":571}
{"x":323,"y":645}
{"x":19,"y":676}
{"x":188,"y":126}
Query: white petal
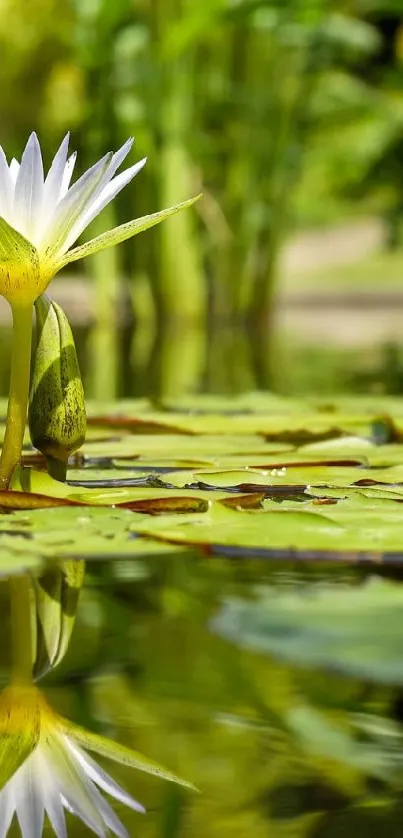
{"x":14,"y":168}
{"x":68,"y":174}
{"x":6,"y":188}
{"x":103,"y":780}
{"x":54,"y":178}
{"x":116,"y":161}
{"x":27,"y":789}
{"x":66,"y":805}
{"x":6,"y":809}
{"x":110,"y":817}
{"x":52,"y":190}
{"x":119,"y":156}
{"x":29,"y":189}
{"x":75,"y":787}
{"x":54,"y":809}
{"x":107,"y":195}
{"x":73,"y":204}
{"x":75,"y":805}
{"x":52,"y":801}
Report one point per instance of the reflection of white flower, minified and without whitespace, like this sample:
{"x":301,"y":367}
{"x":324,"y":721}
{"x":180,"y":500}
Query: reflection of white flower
{"x":44,"y":769}
{"x":41,"y":217}
{"x":60,"y":774}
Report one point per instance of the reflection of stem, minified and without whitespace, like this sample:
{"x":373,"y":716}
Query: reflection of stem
{"x":19,"y":392}
{"x":21,"y":628}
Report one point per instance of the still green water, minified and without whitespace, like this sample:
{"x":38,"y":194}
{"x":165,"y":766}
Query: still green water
{"x":181,"y":361}
{"x":146,"y":666}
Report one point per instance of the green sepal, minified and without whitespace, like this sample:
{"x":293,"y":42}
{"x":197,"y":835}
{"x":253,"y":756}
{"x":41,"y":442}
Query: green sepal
{"x":20,"y":275}
{"x":120,"y":753}
{"x":20,"y":725}
{"x":121,"y":233}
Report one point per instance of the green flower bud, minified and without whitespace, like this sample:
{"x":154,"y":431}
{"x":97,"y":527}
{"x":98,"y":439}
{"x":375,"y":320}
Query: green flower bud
{"x":56,"y":414}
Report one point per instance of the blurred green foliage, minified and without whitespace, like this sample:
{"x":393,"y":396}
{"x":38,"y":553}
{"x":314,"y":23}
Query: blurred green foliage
{"x":284,"y":112}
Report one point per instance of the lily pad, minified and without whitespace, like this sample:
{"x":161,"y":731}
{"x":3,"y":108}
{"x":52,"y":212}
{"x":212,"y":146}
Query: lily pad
{"x":251,"y":475}
{"x":356,"y":531}
{"x":34,"y":537}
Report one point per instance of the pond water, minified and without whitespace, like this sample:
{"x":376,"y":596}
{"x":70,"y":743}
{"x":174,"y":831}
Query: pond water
{"x":239,"y":621}
{"x":275,"y":749}
{"x":179,"y":361}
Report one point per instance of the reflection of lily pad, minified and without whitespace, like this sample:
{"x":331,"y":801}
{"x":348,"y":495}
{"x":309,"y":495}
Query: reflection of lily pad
{"x":358,"y":631}
{"x":323,"y":737}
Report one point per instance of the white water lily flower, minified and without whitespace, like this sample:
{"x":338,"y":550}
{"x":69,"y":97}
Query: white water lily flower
{"x":44,"y":769}
{"x":42,"y":217}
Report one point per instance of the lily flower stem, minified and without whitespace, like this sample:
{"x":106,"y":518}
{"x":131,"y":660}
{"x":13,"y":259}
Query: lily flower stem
{"x":19,"y":392}
{"x":21,"y":629}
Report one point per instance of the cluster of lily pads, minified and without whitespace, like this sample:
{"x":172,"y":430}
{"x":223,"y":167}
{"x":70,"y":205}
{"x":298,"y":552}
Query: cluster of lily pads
{"x":257,"y":476}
